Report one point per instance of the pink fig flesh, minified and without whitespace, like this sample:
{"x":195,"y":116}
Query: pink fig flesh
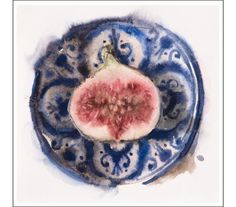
{"x":117,"y":103}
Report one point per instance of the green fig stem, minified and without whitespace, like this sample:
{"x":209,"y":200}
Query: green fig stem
{"x":108,"y":55}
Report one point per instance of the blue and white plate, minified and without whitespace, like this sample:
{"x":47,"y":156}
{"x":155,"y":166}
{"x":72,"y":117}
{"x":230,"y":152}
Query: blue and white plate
{"x":160,"y":55}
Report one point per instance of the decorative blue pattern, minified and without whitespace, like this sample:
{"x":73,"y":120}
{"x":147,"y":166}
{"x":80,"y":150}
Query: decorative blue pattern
{"x":162,"y":56}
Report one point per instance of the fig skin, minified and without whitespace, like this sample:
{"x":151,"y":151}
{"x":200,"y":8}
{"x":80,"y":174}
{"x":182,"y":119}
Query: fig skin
{"x":116,"y":103}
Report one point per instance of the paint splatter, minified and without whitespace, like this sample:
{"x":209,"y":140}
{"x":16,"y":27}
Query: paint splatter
{"x":200,"y":157}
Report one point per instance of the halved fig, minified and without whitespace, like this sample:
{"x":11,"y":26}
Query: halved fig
{"x":116,"y":103}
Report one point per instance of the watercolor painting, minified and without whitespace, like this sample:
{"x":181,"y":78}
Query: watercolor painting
{"x":117,"y":101}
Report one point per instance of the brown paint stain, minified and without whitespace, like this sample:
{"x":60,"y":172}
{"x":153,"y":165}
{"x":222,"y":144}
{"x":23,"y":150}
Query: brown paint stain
{"x":187,"y":164}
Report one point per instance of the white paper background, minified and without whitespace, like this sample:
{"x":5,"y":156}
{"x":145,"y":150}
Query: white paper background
{"x":39,"y":182}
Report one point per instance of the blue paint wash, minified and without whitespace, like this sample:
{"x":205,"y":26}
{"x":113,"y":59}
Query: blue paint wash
{"x":119,"y":162}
